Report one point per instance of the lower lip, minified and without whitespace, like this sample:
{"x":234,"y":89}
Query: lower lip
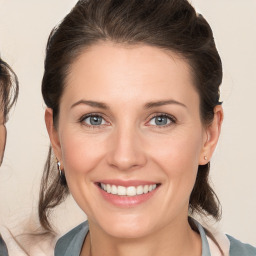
{"x":127,"y":201}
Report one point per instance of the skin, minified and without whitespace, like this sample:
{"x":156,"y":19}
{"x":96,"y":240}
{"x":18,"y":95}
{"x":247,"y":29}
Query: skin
{"x":130,"y":145}
{"x":2,"y":136}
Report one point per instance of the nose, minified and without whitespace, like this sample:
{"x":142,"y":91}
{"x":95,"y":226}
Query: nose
{"x":126,"y":150}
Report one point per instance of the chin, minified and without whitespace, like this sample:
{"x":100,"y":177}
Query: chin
{"x":128,"y":231}
{"x":125,"y":227}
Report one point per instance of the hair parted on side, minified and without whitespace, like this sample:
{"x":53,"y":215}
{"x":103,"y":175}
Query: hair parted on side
{"x":9,"y":88}
{"x":167,"y":24}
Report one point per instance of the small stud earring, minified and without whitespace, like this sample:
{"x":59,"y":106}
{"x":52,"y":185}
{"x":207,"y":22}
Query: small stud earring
{"x":205,"y":157}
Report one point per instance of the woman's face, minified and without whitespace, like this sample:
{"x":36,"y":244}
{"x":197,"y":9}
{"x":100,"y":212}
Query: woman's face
{"x":129,"y":123}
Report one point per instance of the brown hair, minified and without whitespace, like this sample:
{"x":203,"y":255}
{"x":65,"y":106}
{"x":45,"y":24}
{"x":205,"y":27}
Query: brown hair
{"x":168,"y":24}
{"x":9,"y":88}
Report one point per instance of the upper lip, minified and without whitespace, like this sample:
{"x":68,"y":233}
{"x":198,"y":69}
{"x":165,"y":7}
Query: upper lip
{"x":127,"y":183}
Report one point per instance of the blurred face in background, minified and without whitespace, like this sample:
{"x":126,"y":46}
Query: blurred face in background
{"x":9,"y":89}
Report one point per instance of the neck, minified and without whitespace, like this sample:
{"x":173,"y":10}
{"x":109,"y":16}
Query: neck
{"x":173,"y":240}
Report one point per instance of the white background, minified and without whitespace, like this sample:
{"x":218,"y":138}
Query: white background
{"x":24,"y":29}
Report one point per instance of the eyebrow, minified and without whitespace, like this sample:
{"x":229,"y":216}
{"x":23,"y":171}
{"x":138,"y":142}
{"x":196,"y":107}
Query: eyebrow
{"x":148,"y":105}
{"x":162,"y":103}
{"x":91,"y":104}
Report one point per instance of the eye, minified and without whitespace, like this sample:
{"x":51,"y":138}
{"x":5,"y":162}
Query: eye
{"x":93,"y":120}
{"x":161,"y":120}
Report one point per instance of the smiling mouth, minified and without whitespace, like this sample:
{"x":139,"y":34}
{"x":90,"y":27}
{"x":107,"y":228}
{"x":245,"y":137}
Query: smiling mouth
{"x":127,"y":191}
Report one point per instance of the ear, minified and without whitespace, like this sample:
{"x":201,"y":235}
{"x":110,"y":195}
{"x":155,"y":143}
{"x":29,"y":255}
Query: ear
{"x":53,"y":133}
{"x":212,"y":133}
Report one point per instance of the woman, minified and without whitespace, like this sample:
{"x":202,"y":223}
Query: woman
{"x":132,"y":90}
{"x":8,"y":96}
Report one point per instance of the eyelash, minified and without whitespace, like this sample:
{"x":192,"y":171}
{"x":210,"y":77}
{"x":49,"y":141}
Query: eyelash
{"x":82,"y":120}
{"x":172,"y":119}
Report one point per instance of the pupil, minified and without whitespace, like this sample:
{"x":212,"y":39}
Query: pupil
{"x":161,"y":120}
{"x":95,"y":120}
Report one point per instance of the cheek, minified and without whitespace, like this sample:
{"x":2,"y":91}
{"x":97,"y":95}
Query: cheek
{"x":80,"y":154}
{"x":2,"y":141}
{"x":178,"y":157}
{"x":178,"y":152}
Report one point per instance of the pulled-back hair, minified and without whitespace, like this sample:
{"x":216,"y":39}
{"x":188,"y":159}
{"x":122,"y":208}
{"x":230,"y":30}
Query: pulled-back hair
{"x":167,"y":24}
{"x":9,"y":88}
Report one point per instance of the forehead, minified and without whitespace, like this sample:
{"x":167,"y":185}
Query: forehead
{"x":129,"y":72}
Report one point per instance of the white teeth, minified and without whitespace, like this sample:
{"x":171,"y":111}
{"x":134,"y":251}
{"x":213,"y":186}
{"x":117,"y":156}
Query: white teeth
{"x":108,"y":188}
{"x":113,"y":190}
{"x":139,"y":190}
{"x":127,"y":191}
{"x":145,"y":189}
{"x":131,"y":191}
{"x":121,"y":191}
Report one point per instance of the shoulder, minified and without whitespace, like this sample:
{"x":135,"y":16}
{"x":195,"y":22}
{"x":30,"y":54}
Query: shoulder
{"x":71,"y":243}
{"x":238,"y":248}
{"x":28,"y":243}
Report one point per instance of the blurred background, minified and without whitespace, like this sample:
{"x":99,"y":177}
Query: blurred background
{"x":24,"y":29}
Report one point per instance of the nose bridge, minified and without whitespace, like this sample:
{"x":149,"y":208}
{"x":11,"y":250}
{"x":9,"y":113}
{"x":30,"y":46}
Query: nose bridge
{"x":126,"y":147}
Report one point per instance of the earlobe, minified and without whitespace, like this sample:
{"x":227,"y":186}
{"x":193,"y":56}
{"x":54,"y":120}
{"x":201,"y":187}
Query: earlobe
{"x":212,"y":136}
{"x":53,"y":133}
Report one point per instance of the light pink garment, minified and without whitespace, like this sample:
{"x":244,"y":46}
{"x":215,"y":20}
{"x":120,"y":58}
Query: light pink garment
{"x":34,"y":245}
{"x":223,"y":243}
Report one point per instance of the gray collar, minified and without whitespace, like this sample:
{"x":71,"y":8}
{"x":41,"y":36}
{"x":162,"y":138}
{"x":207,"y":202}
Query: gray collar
{"x":75,"y":242}
{"x":3,"y":249}
{"x":205,"y":244}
